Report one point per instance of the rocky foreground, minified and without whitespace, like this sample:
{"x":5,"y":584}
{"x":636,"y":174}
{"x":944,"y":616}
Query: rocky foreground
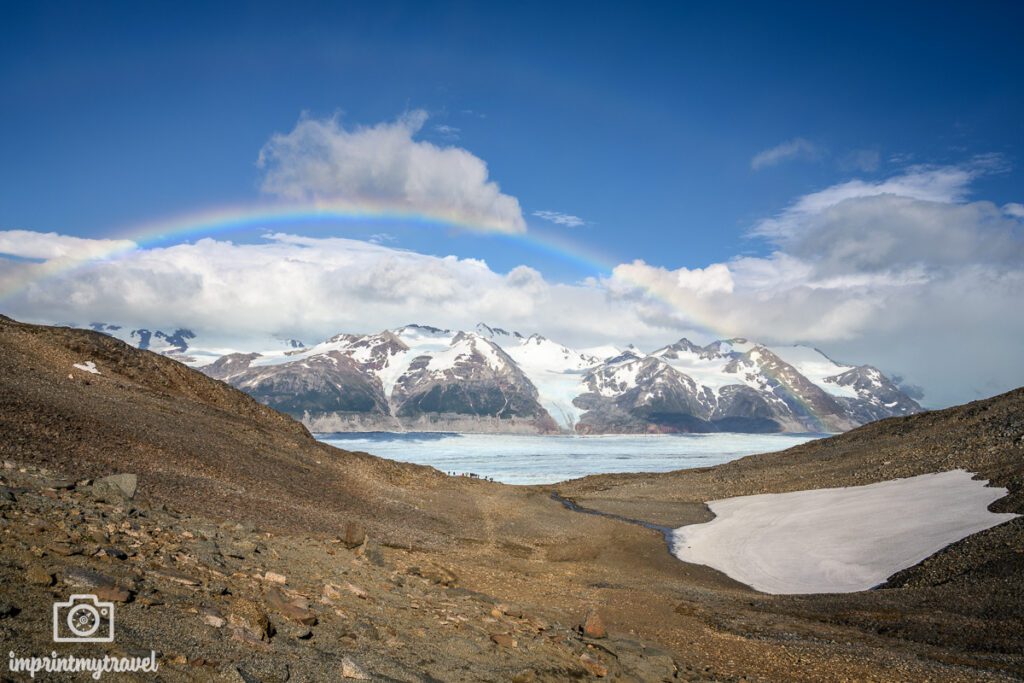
{"x":224,"y":601}
{"x":249,"y":551}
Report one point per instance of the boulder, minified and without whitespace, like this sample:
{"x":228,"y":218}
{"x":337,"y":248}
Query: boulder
{"x":593,"y":625}
{"x":249,"y":616}
{"x":354,"y":536}
{"x":116,"y":488}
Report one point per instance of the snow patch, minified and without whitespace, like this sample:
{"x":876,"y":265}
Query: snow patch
{"x":87,"y":366}
{"x":839,"y":540}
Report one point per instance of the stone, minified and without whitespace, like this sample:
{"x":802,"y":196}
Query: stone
{"x":65,"y":549}
{"x":86,"y":578}
{"x":356,"y":591}
{"x":593,"y":625}
{"x":300,"y":632}
{"x":113,"y":593}
{"x":594,"y":666}
{"x":115,"y":488}
{"x":272,"y":577}
{"x":525,"y":676}
{"x":293,"y":609}
{"x":436,"y":575}
{"x":115,"y":553}
{"x":39,"y":576}
{"x":249,"y":616}
{"x":176,"y":577}
{"x":504,"y":640}
{"x":349,"y":669}
{"x":213,"y":620}
{"x":354,"y":536}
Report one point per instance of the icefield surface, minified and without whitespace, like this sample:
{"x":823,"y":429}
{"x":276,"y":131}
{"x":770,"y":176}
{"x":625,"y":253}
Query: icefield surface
{"x":546,"y":459}
{"x":838,"y":540}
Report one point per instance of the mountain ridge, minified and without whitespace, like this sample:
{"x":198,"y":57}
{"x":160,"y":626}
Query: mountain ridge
{"x":490,"y":379}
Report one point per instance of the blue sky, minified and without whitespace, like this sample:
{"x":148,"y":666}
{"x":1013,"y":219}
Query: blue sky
{"x":794,"y":172}
{"x":641,"y":121}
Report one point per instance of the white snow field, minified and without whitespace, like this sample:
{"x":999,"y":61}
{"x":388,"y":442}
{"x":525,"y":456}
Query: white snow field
{"x":838,"y":540}
{"x":87,"y":366}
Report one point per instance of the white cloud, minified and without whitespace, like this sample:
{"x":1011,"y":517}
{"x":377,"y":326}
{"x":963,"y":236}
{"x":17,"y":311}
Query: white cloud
{"x":307,"y":287}
{"x":1014,"y":209}
{"x":904,"y":273}
{"x":797,"y":148}
{"x":559,"y":218}
{"x":383,"y":165}
{"x":50,"y":245}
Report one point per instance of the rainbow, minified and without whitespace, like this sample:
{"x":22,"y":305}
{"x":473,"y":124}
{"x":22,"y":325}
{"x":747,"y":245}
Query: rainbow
{"x":234,"y":219}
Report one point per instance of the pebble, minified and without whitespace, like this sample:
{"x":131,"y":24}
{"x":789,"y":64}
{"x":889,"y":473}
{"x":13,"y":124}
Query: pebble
{"x":349,"y":669}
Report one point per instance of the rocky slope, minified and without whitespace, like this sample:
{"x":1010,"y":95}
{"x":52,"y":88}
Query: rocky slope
{"x":424,"y":378}
{"x":243,"y":524}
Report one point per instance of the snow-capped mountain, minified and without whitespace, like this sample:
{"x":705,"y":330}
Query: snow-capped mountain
{"x":489,"y":379}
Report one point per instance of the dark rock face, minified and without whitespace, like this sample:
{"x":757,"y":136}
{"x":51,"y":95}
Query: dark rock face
{"x":878,"y":397}
{"x":629,"y":394}
{"x":791,"y":398}
{"x":474,"y":377}
{"x":230,"y":365}
{"x":177,"y":341}
{"x":495,"y":380}
{"x":320,"y":384}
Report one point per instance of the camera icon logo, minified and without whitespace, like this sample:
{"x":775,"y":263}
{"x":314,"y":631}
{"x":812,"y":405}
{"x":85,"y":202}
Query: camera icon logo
{"x":83,"y":619}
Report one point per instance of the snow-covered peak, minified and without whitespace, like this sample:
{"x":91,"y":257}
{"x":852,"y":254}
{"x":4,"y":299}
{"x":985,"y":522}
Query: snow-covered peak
{"x":496,"y":333}
{"x":469,"y":347}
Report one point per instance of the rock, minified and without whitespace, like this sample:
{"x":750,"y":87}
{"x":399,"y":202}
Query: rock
{"x":331,"y":592}
{"x":176,"y":577}
{"x":271,"y":577}
{"x":350,"y":669}
{"x":593,"y":666}
{"x":300,"y":632}
{"x":525,"y":676}
{"x":65,"y":549}
{"x":39,"y":576}
{"x":112,"y":593}
{"x":506,"y":609}
{"x":86,"y":578}
{"x":8,"y":610}
{"x":213,"y":620}
{"x":116,"y":553}
{"x":249,"y":616}
{"x":504,"y":639}
{"x":354,"y":536}
{"x":356,"y":591}
{"x":293,"y":609}
{"x":116,"y":488}
{"x":437,"y":575}
{"x":593,"y":625}
{"x":59,"y":485}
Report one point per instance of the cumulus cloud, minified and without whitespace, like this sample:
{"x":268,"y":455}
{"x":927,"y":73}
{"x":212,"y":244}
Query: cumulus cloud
{"x":1014,"y":209}
{"x":311,"y":288}
{"x":797,"y":148}
{"x":559,"y":218}
{"x":50,"y":246}
{"x":905,"y":272}
{"x":384,"y":165}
